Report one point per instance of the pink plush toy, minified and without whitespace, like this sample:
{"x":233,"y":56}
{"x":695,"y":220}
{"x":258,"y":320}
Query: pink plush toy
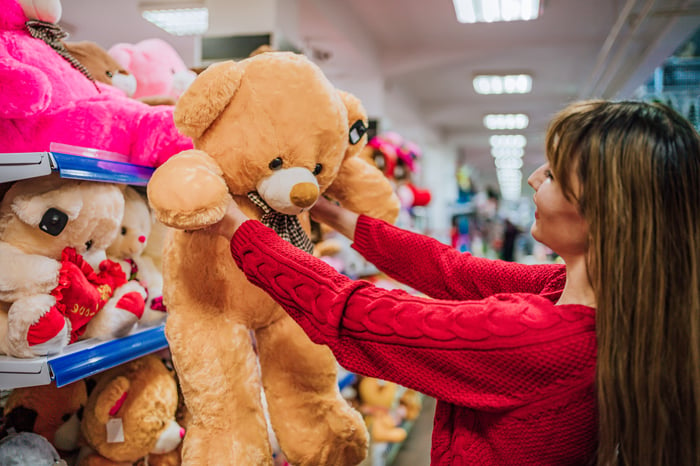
{"x":158,"y":68}
{"x":46,"y":99}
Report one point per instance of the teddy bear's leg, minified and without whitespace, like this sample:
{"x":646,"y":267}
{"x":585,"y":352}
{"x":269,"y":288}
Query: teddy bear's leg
{"x":35,"y":327}
{"x":220,"y":382}
{"x":313,"y":423}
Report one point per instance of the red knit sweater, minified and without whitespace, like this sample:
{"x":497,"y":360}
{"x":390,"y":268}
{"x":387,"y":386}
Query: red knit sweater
{"x":512,"y":373}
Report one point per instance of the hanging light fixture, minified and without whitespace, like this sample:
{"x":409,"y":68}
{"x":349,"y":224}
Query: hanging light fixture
{"x":490,"y":11}
{"x":179,"y":19}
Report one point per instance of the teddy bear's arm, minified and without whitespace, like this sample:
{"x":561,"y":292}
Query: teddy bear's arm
{"x":25,"y":90}
{"x":188,"y":191}
{"x":362,"y":188}
{"x":23,"y":274}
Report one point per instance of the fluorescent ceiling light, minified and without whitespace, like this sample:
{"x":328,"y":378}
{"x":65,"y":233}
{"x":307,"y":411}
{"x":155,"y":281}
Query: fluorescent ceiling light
{"x":489,"y":11}
{"x":509,"y":162}
{"x":510,"y":183}
{"x":504,"y":152}
{"x":503,"y":84}
{"x":506,"y":121}
{"x":179,"y":21}
{"x":508,"y":141}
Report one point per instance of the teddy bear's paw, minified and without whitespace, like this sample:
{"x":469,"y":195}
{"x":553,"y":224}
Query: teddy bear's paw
{"x":342,"y":440}
{"x":36,"y":327}
{"x":188,"y":191}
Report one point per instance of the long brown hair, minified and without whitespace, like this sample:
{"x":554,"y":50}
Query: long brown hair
{"x":638,"y":165}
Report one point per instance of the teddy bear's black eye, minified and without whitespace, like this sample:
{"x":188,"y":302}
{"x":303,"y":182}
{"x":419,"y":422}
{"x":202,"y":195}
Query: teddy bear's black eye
{"x":276,"y":164}
{"x":317,"y":169}
{"x":88,"y":244}
{"x":123,"y":230}
{"x":109,"y":74}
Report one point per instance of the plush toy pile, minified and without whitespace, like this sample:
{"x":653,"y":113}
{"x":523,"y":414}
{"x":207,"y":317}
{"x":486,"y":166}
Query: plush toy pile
{"x":56,"y":285}
{"x":260,"y":126}
{"x":46,"y":98}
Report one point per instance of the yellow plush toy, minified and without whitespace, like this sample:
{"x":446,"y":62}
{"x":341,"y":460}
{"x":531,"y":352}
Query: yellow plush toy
{"x":130,"y":415}
{"x":275,"y":134}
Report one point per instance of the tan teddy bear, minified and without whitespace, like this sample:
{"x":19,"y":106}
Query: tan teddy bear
{"x":275,"y":134}
{"x":56,"y":285}
{"x":130,"y":415}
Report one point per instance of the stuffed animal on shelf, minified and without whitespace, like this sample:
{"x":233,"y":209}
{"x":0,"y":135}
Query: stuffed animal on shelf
{"x":49,"y":411}
{"x":47,"y":98}
{"x":128,"y":247}
{"x":28,"y":448}
{"x":261,"y":126}
{"x":130,"y":415}
{"x":379,"y":400}
{"x":56,"y":285}
{"x":161,"y":74}
{"x":101,"y":66}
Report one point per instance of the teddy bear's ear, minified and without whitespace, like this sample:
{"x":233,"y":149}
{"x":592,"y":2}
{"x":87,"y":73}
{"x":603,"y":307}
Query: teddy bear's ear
{"x":357,"y":124}
{"x":111,"y":399}
{"x":207,"y":97}
{"x":31,"y":209}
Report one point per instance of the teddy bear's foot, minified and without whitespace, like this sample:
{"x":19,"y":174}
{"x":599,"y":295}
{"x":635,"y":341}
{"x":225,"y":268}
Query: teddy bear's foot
{"x":36,"y":327}
{"x":49,"y":335}
{"x":121,"y":313}
{"x":340,"y":439}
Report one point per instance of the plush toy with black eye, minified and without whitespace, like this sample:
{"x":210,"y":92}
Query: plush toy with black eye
{"x":273,"y":133}
{"x":56,"y":285}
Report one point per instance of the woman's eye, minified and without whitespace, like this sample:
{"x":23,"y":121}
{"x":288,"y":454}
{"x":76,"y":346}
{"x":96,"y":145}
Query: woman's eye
{"x":548,"y":174}
{"x":276,"y":164}
{"x":317,"y":169}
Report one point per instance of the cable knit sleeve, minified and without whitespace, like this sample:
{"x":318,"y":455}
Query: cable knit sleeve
{"x":493,"y":354}
{"x":441,"y":271}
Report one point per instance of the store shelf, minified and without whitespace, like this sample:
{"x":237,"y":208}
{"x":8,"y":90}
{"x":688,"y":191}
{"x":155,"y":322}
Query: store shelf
{"x":81,"y":359}
{"x":75,"y":164}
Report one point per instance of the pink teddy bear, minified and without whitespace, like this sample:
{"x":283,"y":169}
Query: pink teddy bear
{"x":46,"y":99}
{"x":157,"y":67}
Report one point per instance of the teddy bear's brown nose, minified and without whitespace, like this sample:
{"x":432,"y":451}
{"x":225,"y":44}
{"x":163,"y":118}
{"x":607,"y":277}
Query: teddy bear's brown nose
{"x":304,"y":194}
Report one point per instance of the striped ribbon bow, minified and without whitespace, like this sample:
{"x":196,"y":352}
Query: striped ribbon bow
{"x":52,"y":34}
{"x":286,"y":226}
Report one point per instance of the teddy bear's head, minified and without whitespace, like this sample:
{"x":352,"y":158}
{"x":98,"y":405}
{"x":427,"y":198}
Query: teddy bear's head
{"x":135,"y":227}
{"x":131,"y":411}
{"x":45,"y":215}
{"x":275,"y":125}
{"x":101,"y":66}
{"x":158,"y":68}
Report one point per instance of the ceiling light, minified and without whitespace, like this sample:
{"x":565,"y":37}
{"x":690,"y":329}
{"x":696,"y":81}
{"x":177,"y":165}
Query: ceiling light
{"x":508,"y":140}
{"x":506,"y":121}
{"x":179,"y":21}
{"x":503,"y":152}
{"x":510,"y":183}
{"x":489,"y":11}
{"x":503,"y":84}
{"x":509,"y":162}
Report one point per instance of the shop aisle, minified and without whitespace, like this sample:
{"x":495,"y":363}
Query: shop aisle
{"x":416,"y":449}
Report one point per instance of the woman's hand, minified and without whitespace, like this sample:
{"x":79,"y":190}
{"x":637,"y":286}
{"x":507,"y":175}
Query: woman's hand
{"x":335,"y":216}
{"x":227,"y":226}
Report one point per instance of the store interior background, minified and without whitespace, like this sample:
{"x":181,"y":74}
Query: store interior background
{"x":412,"y":64}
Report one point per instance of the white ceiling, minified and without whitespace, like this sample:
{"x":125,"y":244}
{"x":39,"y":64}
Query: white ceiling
{"x":576,"y":49}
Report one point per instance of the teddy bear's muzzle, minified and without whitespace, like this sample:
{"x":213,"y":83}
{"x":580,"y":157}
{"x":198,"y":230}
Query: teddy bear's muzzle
{"x":304,"y":195}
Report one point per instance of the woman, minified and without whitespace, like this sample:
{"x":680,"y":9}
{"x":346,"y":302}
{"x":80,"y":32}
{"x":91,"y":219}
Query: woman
{"x":594,"y":361}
